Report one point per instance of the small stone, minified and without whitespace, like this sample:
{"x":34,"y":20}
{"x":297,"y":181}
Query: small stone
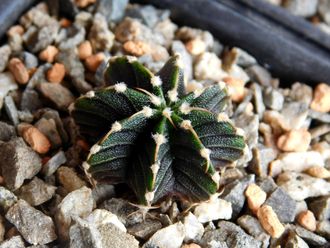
{"x":249,"y":123}
{"x":262,"y":156}
{"x":300,"y":207}
{"x":19,"y":71}
{"x":310,"y":237}
{"x":75,"y":35}
{"x":102,"y":192}
{"x":59,"y":95}
{"x":7,"y":131}
{"x":321,"y":99}
{"x":273,"y":98}
{"x":320,"y":207}
{"x":318,"y":171}
{"x":270,"y":221}
{"x":103,"y":217}
{"x":49,"y":128}
{"x":7,"y":199}
{"x":236,"y":88}
{"x":255,"y":197}
{"x":167,"y":29}
{"x":300,"y":186}
{"x":35,"y":227}
{"x":234,"y":193}
{"x":301,"y":93}
{"x":170,"y":237}
{"x":99,"y":35}
{"x":136,"y":48}
{"x":192,"y":245}
{"x":214,"y":209}
{"x":208,"y":67}
{"x":148,"y":14}
{"x":196,"y":46}
{"x":145,"y":229}
{"x":56,"y":73}
{"x":113,"y":10}
{"x":36,"y":192}
{"x":282,"y":204}
{"x":69,"y":179}
{"x":5,"y":52}
{"x":293,"y":240}
{"x":228,"y":235}
{"x":93,"y":62}
{"x":13,"y":242}
{"x":77,"y":203}
{"x":30,"y":61}
{"x":244,"y":59}
{"x":193,"y":228}
{"x":304,"y":8}
{"x":38,"y":76}
{"x":11,"y":109}
{"x":323,"y":228}
{"x":324,"y":10}
{"x":37,"y":140}
{"x":294,"y":141}
{"x":7,"y":84}
{"x":84,"y":3}
{"x":18,"y":162}
{"x":48,"y":54}
{"x":85,"y":50}
{"x":252,"y":226}
{"x":307,"y":220}
{"x":53,"y":163}
{"x":260,"y":75}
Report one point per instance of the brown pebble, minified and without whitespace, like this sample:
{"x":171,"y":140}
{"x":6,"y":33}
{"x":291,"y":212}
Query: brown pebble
{"x":48,"y":54}
{"x":69,"y":179}
{"x":36,"y":139}
{"x":307,"y":220}
{"x":236,"y":88}
{"x":2,"y":181}
{"x":192,"y":245}
{"x":318,"y":171}
{"x":255,"y":197}
{"x":16,"y":29}
{"x":93,"y":61}
{"x":84,"y":3}
{"x":196,"y":46}
{"x":85,"y":50}
{"x":56,"y":73}
{"x":65,"y":23}
{"x":270,"y":221}
{"x":294,"y":141}
{"x":11,"y":233}
{"x":83,"y":144}
{"x":321,"y":99}
{"x":19,"y":71}
{"x":136,"y":48}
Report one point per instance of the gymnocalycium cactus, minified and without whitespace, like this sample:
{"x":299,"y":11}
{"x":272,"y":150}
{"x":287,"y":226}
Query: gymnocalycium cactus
{"x":157,"y":139}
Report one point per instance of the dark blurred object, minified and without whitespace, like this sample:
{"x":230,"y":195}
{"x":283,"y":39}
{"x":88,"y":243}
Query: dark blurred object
{"x":290,"y":47}
{"x":10,"y":11}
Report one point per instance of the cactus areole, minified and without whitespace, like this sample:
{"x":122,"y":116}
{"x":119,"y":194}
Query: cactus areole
{"x":154,"y":137}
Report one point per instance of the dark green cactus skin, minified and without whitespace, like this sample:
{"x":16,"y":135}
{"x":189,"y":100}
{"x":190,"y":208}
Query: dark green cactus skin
{"x":157,"y":139}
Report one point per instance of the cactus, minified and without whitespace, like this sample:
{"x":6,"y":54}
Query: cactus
{"x":157,"y":139}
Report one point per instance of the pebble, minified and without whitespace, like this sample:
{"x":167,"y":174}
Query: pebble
{"x":30,"y":61}
{"x":293,"y":240}
{"x":19,"y":162}
{"x":35,"y":227}
{"x":13,"y":242}
{"x":310,"y":237}
{"x":69,"y":179}
{"x":36,"y":192}
{"x":56,"y":73}
{"x":77,"y":203}
{"x":6,"y":131}
{"x":243,"y":58}
{"x":53,"y":163}
{"x":324,"y":10}
{"x":11,"y":109}
{"x":300,"y":186}
{"x":113,"y":10}
{"x":191,"y":245}
{"x":167,"y":29}
{"x":145,"y":229}
{"x":228,"y":235}
{"x":260,"y":75}
{"x":49,"y":128}
{"x":193,"y":228}
{"x":250,"y":124}
{"x":5,"y":52}
{"x":195,"y":46}
{"x":85,"y":50}
{"x":7,"y":84}
{"x":148,"y":14}
{"x":94,"y":61}
{"x":304,"y":8}
{"x":321,"y":99}
{"x":234,"y":193}
{"x":323,"y":228}
{"x":301,"y":93}
{"x":262,"y":156}
{"x":48,"y":54}
{"x":320,"y":207}
{"x":100,"y":36}
{"x":214,"y":209}
{"x":307,"y":220}
{"x":102,"y":217}
{"x":36,"y":139}
{"x":267,"y":184}
{"x":7,"y":199}
{"x":75,"y":35}
{"x":57,"y":94}
{"x":253,"y":227}
{"x":318,"y":171}
{"x":170,"y":237}
{"x":273,"y":98}
{"x":270,"y":221}
{"x":255,"y":197}
{"x":294,"y":141}
{"x":208,"y":67}
{"x":236,"y":88}
{"x":38,"y":76}
{"x":19,"y":71}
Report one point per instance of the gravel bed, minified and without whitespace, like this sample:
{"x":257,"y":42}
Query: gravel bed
{"x":277,"y":195}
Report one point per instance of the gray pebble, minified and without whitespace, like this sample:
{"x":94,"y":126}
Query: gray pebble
{"x":7,"y":132}
{"x":320,"y":207}
{"x":11,"y":110}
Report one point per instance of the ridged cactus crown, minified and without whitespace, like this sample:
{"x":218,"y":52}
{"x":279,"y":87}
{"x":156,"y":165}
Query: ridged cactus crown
{"x":157,"y":139}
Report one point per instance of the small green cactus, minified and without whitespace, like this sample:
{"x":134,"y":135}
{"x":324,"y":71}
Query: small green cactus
{"x":161,"y":142}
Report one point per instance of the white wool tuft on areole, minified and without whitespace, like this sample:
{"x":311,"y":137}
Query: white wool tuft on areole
{"x":205,"y":153}
{"x":185,"y":108}
{"x":90,"y":94}
{"x":156,"y":81}
{"x":186,"y":124}
{"x":116,"y":127}
{"x":147,"y":111}
{"x":155,"y":100}
{"x":120,"y":87}
{"x":159,"y":138}
{"x":149,"y":196}
{"x":173,"y":95}
{"x":95,"y":149}
{"x":167,"y":113}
